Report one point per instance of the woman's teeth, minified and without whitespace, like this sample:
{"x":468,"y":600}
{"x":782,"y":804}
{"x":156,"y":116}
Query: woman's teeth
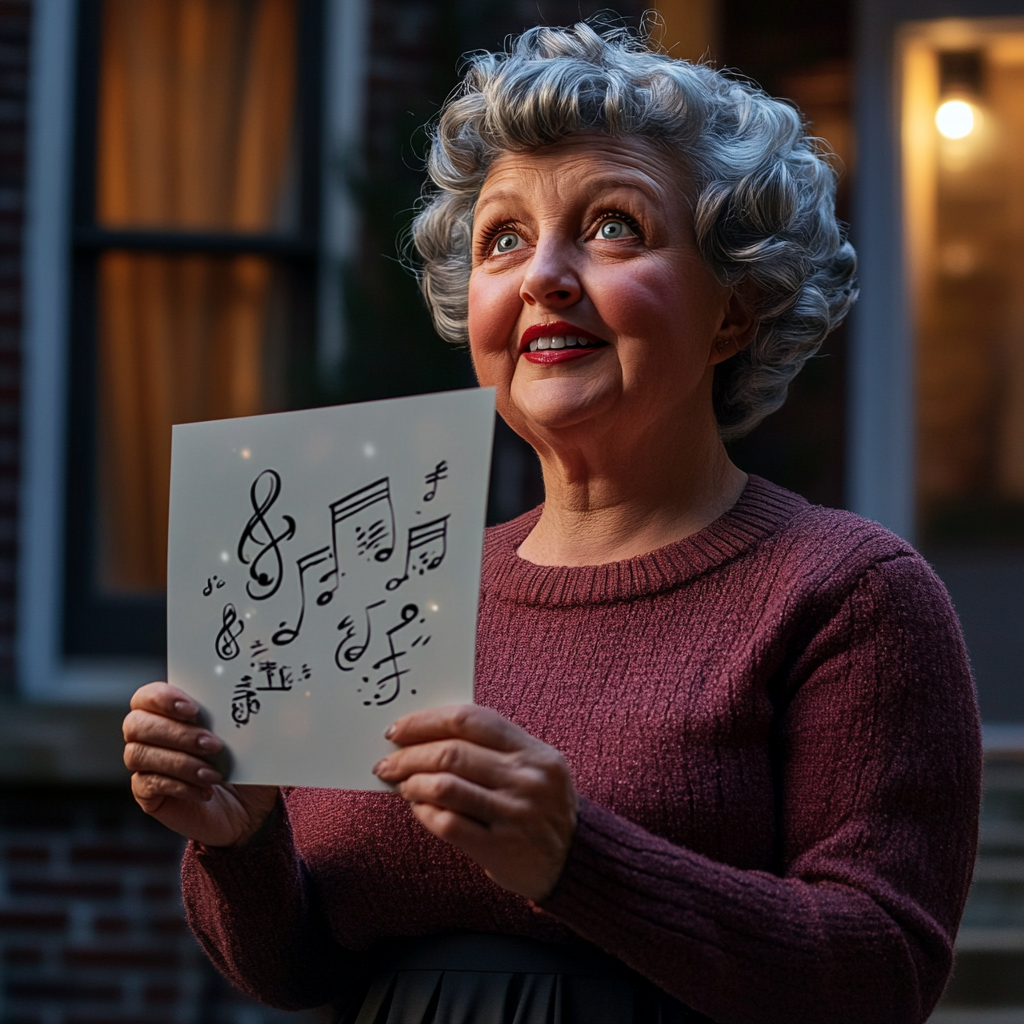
{"x":560,"y":341}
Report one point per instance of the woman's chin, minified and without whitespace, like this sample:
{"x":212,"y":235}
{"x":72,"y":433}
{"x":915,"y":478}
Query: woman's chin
{"x":548,"y":406}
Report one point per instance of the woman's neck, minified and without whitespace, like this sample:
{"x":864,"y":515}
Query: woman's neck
{"x":608,"y":505}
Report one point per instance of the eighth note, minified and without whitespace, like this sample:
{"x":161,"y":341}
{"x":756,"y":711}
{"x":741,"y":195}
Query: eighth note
{"x":231,"y":629}
{"x":389,"y":686}
{"x":439,"y":472}
{"x":432,"y":538}
{"x":286,"y":634}
{"x":373,"y":525}
{"x":353,"y":652}
{"x":214,"y":582}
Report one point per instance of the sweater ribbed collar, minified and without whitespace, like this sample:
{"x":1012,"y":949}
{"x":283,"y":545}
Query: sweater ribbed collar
{"x":761,"y":510}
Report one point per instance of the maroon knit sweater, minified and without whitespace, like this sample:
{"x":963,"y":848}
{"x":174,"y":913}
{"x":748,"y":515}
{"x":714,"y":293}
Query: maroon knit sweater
{"x":773,"y":730}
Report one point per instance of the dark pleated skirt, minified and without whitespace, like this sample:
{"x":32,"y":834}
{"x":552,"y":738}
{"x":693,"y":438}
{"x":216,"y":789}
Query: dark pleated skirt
{"x":474,"y":978}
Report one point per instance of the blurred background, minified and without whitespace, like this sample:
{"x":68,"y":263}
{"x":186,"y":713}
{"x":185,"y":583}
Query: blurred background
{"x":199,"y":206}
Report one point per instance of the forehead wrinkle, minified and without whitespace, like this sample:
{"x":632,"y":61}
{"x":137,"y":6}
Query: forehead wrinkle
{"x":592,"y":188}
{"x":635,"y":154}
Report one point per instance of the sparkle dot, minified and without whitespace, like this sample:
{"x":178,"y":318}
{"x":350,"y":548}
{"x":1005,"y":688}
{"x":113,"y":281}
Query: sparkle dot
{"x":246,"y":453}
{"x":369,"y":451}
{"x":225,"y":557}
{"x":307,"y":693}
{"x":219,"y":670}
{"x":432,"y":606}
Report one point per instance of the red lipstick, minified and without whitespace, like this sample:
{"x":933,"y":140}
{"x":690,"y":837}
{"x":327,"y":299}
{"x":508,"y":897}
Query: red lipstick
{"x":559,"y":328}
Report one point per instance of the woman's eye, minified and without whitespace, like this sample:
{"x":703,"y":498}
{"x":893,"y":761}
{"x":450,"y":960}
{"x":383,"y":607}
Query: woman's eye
{"x":506,"y":242}
{"x":614,"y":229}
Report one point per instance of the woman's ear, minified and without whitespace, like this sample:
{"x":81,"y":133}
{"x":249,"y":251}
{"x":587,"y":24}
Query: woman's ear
{"x":736,"y":331}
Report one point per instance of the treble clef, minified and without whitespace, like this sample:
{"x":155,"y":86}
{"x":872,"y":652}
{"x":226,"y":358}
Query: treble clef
{"x":266,"y":582}
{"x":231,"y":629}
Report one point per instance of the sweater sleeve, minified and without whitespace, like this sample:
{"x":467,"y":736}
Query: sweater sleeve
{"x":256,"y":917}
{"x":877,"y":758}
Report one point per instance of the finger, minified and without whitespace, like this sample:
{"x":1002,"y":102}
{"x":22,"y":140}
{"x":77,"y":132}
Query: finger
{"x":150,"y":791}
{"x":482,"y":765}
{"x":464,"y":721}
{"x":158,"y":730}
{"x":164,"y":699}
{"x":468,"y":835}
{"x":140,"y":757}
{"x":452,"y":793}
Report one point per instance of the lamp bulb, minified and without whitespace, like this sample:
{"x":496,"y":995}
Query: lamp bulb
{"x":955,"y":119}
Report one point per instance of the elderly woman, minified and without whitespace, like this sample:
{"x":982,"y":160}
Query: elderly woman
{"x":724,"y":762}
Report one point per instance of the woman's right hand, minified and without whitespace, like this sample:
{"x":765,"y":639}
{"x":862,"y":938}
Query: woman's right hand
{"x":166,"y":749}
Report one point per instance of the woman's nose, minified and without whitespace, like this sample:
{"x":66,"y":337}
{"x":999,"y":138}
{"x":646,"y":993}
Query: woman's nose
{"x":551,"y":278}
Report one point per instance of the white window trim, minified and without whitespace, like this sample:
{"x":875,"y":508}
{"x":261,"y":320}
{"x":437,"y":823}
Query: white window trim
{"x":44,"y":672}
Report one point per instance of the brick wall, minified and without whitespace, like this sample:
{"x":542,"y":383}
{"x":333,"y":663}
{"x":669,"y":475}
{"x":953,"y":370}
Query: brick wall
{"x":92,"y":930}
{"x":14,"y":36}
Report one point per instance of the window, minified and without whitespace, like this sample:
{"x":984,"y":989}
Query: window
{"x":183,"y":263}
{"x":963,"y":160}
{"x":195,"y":224}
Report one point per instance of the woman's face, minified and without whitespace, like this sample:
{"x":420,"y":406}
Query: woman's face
{"x":590,"y":309}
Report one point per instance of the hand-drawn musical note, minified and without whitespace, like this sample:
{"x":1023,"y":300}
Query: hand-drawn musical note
{"x":267,"y":582}
{"x":353,"y":652}
{"x":244,"y":703}
{"x":231,"y":629}
{"x":214,"y":582}
{"x":278,"y":677}
{"x":439,"y":472}
{"x":286,"y":634}
{"x":431,"y":541}
{"x":389,"y":686}
{"x":374,"y":531}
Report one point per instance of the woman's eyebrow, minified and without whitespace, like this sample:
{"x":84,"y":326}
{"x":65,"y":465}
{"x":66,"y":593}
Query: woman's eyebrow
{"x":599,"y":187}
{"x":595,"y":190}
{"x":499,"y":196}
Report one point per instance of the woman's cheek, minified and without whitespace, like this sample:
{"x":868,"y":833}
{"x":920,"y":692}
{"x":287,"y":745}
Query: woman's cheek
{"x":494,"y":308}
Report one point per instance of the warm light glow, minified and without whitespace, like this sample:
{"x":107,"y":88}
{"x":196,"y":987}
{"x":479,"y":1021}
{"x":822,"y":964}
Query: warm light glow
{"x":955,"y":119}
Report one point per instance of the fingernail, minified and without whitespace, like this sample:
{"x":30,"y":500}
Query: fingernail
{"x":379,"y":766}
{"x":208,"y":775}
{"x":208,"y":743}
{"x":389,"y":732}
{"x":185,"y":707}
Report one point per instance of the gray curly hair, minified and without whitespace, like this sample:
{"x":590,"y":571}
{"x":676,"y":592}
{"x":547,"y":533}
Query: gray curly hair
{"x":762,"y":191}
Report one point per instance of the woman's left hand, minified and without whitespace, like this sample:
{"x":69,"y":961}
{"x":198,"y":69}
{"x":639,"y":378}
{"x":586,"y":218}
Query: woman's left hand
{"x":483,"y":784}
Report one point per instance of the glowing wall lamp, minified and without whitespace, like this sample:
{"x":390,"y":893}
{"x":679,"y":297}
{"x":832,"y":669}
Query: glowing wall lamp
{"x":955,"y":119}
{"x":960,"y":81}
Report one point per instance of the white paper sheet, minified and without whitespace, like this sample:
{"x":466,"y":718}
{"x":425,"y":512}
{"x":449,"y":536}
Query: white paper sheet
{"x":323,"y":577}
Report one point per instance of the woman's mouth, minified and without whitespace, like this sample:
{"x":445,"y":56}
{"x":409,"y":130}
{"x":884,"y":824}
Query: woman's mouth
{"x":557,"y":343}
{"x":559,"y":348}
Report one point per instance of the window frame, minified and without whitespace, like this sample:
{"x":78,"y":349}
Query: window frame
{"x":880,"y":462}
{"x":57,"y":371}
